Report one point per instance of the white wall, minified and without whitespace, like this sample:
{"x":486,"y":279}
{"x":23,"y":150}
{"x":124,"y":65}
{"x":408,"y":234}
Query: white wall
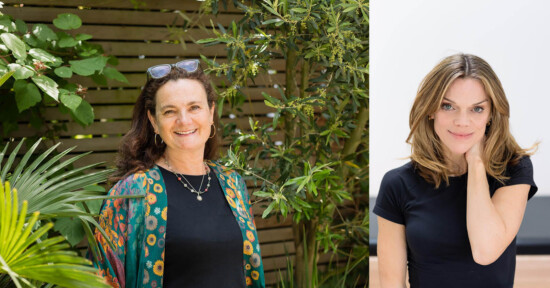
{"x":408,"y":38}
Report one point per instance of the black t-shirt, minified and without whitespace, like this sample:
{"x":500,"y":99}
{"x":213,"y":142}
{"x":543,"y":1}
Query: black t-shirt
{"x":204,"y":244}
{"x":438,"y":248}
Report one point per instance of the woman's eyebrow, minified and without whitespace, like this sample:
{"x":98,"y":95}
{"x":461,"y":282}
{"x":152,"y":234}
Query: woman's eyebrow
{"x":445,"y":98}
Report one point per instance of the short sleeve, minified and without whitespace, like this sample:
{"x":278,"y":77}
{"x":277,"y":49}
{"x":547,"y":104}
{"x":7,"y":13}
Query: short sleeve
{"x":389,"y":203}
{"x":522,"y":173}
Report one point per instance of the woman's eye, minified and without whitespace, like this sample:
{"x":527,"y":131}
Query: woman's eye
{"x":168,"y":112}
{"x":446,"y":106}
{"x":195,"y":107}
{"x":478,"y":109}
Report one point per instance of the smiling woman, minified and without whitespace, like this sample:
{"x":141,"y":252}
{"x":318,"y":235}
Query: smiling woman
{"x":205,"y":235}
{"x":460,"y":233}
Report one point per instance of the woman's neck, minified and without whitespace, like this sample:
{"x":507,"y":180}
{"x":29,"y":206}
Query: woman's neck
{"x":183,"y":163}
{"x":457,"y":165}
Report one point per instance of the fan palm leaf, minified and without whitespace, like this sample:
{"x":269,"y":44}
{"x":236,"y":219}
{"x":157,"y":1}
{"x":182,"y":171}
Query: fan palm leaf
{"x":29,"y":261}
{"x":53,"y":187}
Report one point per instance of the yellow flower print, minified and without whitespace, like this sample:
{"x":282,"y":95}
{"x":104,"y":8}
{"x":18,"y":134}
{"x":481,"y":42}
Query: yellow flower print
{"x":151,"y":239}
{"x":157,"y":188}
{"x":147,"y":210}
{"x":250,"y":235}
{"x":164,"y":214}
{"x":146,"y":251}
{"x":251,"y":225}
{"x":231,"y":202}
{"x":248,"y":247}
{"x":255,"y":275}
{"x":247,"y":266}
{"x":248,"y":281}
{"x":230,"y":192}
{"x":151,"y":198}
{"x":158,"y":269}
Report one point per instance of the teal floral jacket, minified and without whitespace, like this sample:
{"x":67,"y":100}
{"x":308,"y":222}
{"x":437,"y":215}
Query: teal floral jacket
{"x":137,"y":228}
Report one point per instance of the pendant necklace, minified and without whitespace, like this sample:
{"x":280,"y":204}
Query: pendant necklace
{"x":188,"y":184}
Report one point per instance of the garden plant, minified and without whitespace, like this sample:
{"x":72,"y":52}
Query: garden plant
{"x":317,"y":172}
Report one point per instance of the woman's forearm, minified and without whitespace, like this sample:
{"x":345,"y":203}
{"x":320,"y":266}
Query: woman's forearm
{"x":486,"y":228}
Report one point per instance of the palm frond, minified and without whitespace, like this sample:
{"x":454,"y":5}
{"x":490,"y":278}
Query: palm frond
{"x":52,"y":186}
{"x":25,"y":260}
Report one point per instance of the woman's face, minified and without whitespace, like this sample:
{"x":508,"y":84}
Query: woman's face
{"x":182,"y":116}
{"x":461,"y":120}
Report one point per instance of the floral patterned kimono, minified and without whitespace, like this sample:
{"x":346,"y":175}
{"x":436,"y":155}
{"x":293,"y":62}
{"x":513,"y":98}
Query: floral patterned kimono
{"x":137,"y":228}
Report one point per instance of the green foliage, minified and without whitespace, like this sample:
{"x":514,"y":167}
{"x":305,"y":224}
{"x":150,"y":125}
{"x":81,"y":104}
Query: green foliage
{"x":48,"y":191}
{"x":42,"y":63}
{"x":319,"y":166}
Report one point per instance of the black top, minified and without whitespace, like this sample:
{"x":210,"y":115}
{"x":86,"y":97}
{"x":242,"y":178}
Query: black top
{"x":438,"y":248}
{"x":204,"y":244}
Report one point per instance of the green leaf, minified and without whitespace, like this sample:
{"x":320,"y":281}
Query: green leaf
{"x":30,"y":39}
{"x":268,"y":209}
{"x":84,"y":114}
{"x":21,"y":72}
{"x":67,"y":42}
{"x":71,"y":229}
{"x":299,"y":10}
{"x":42,"y":55}
{"x":16,"y":45}
{"x":67,"y":21}
{"x":88,"y":66}
{"x":43,"y":32}
{"x":63,"y":72}
{"x":5,"y":77}
{"x":112,"y":60}
{"x":71,"y":100}
{"x":112,"y":73}
{"x":269,"y":104}
{"x":6,"y":24}
{"x":271,"y":21}
{"x":21,"y":26}
{"x":26,"y":95}
{"x":47,"y":85}
{"x":83,"y":37}
{"x":24,"y":258}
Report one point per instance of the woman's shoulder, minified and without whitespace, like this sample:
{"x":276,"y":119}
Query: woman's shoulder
{"x":136,"y":183}
{"x":222,"y":170}
{"x":402,"y":173}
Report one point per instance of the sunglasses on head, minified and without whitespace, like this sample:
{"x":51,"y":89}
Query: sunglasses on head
{"x":159,"y":71}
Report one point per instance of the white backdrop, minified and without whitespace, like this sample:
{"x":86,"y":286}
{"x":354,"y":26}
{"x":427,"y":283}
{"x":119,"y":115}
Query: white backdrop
{"x":408,"y":38}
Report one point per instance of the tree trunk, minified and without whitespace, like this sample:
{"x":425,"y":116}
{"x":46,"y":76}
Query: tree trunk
{"x":306,"y":251}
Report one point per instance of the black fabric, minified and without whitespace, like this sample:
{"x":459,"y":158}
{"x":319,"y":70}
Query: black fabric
{"x":438,"y":249}
{"x":204,"y":245}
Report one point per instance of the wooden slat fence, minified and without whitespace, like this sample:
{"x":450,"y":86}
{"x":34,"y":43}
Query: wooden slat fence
{"x":141,"y":38}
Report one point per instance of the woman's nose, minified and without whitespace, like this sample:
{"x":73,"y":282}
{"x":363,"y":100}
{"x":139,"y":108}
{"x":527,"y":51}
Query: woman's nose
{"x":462,"y":119}
{"x":184,"y":117}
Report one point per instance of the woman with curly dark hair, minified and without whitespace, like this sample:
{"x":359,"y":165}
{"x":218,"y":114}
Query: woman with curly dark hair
{"x":194,"y":226}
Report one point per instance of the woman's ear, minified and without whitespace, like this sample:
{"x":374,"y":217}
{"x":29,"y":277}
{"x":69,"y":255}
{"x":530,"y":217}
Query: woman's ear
{"x":153,"y":121}
{"x":212,"y":109}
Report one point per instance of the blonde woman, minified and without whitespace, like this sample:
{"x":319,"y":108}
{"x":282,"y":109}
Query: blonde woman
{"x":452,"y":213}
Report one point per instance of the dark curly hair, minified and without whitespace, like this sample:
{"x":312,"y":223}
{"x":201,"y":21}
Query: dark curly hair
{"x":138,"y":151}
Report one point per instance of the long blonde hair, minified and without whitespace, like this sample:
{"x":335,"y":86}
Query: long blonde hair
{"x":500,"y":149}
